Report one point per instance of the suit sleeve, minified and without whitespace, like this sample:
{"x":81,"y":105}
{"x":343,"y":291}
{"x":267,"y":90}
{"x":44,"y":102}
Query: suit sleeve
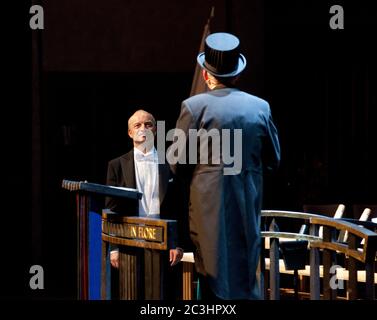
{"x":111,"y":180}
{"x":184,"y":123}
{"x":182,"y":176}
{"x":271,"y":146}
{"x":178,"y":209}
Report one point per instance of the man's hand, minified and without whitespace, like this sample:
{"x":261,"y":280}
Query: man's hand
{"x":176,"y":255}
{"x":114,"y":258}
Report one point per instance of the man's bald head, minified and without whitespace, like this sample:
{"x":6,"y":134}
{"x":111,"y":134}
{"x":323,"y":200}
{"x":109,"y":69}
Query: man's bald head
{"x":142,"y":126}
{"x":140,"y":114}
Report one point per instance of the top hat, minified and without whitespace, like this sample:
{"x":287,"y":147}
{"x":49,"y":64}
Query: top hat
{"x":221,"y":56}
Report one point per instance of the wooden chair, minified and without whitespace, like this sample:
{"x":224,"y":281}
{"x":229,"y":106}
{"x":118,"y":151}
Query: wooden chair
{"x":360,"y":207}
{"x":364,"y":217}
{"x":331,"y":210}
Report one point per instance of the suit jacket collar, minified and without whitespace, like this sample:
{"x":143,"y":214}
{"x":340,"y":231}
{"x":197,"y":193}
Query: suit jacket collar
{"x":128,"y":169}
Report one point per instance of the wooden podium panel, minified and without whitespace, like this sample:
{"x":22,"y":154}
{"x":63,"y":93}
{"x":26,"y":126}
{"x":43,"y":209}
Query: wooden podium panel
{"x":144,"y":245}
{"x":84,"y":192}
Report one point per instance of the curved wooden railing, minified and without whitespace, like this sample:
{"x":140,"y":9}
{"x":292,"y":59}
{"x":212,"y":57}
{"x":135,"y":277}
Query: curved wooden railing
{"x":360,"y":249}
{"x":359,"y":253}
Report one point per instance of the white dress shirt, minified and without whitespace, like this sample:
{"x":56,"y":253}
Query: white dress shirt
{"x":147,"y":182}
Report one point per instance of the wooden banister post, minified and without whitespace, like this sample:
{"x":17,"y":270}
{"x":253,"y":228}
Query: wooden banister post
{"x":314,"y":267}
{"x":274,"y":264}
{"x":352,"y":269}
{"x":263,"y":281}
{"x":328,"y":260}
{"x":370,"y":292}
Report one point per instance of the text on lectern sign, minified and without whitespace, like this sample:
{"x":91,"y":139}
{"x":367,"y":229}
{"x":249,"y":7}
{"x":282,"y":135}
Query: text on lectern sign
{"x":138,"y":231}
{"x":134,"y":231}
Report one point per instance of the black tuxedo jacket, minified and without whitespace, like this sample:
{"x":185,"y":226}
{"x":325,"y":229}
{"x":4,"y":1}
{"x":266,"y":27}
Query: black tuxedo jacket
{"x":121,"y":173}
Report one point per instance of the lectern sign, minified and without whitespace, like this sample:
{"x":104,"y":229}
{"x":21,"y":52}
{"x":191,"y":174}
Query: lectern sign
{"x":137,"y":231}
{"x":134,"y":231}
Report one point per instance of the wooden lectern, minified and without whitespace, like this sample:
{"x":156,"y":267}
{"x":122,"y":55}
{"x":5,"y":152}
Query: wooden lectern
{"x":143,"y":244}
{"x":84,"y":191}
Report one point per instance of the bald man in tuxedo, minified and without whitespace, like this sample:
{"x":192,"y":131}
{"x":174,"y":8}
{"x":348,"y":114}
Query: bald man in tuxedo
{"x":140,"y":169}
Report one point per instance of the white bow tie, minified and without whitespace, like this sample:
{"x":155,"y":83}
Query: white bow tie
{"x":145,"y":157}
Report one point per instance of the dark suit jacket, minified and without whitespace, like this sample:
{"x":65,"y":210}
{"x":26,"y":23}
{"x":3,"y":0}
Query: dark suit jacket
{"x":121,"y":173}
{"x":225,"y":209}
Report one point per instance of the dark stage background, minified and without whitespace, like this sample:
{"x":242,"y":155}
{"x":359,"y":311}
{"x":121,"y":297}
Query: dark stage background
{"x":71,"y":88}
